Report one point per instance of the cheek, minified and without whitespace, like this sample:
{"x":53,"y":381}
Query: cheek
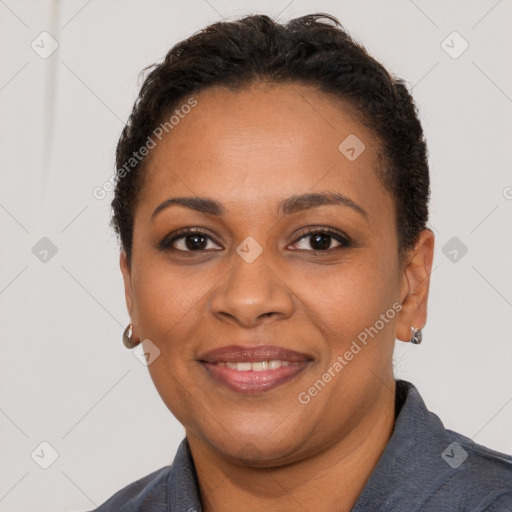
{"x":352,"y":296}
{"x":168,"y":300}
{"x":170,"y":307}
{"x":174,"y":385}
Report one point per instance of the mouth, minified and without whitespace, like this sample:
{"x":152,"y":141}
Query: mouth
{"x":254,"y":369}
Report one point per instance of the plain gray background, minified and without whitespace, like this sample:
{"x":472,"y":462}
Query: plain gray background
{"x":65,"y":377}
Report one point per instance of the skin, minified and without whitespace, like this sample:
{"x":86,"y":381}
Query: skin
{"x":249,"y":150}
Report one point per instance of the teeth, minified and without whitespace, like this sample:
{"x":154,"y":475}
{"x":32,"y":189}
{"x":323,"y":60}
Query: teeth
{"x":257,"y":366}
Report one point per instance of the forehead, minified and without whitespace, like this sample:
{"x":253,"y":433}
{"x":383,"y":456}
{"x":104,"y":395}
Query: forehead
{"x":265,"y":141}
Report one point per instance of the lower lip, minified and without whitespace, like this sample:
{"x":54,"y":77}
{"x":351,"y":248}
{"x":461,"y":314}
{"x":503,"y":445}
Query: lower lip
{"x":251,"y":381}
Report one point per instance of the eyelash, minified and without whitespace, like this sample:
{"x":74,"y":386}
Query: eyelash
{"x":166,"y":245}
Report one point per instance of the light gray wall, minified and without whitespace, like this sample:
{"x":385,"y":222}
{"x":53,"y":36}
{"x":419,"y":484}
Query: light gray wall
{"x":66,"y":379}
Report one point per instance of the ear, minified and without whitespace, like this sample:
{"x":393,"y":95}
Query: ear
{"x":127,"y":278}
{"x":415,"y":286}
{"x":128,"y":292}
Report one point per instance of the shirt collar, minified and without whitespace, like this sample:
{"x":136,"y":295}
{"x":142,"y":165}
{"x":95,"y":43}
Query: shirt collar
{"x":183,"y":486}
{"x":411,"y":467}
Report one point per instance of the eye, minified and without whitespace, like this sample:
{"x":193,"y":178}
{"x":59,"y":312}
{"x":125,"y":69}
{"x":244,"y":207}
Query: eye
{"x":321,"y":240}
{"x":196,"y":240}
{"x":187,"y":240}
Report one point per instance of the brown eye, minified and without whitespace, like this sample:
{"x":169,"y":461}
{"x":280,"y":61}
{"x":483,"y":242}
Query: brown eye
{"x":188,"y":241}
{"x":321,"y":240}
{"x":193,"y":242}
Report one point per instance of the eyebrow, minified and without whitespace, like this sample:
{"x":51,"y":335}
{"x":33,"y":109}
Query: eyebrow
{"x":290,"y":205}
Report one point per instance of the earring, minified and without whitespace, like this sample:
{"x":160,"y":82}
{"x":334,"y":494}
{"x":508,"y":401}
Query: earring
{"x":127,"y":337}
{"x":417,"y":336}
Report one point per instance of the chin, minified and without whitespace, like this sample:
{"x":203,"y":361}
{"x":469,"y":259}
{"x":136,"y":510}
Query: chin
{"x":259,"y":449}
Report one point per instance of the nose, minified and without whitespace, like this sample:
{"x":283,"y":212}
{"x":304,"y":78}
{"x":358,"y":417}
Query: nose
{"x":252,"y":293}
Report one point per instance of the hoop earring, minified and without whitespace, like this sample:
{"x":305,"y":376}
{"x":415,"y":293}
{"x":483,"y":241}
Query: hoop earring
{"x":127,"y":337}
{"x":417,"y":336}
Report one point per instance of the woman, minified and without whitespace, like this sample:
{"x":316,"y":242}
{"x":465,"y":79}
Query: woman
{"x":271,"y":201}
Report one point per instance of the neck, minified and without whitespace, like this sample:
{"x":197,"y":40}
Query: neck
{"x":330,"y":480}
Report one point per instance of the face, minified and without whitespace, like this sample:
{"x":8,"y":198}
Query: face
{"x":271,"y":268}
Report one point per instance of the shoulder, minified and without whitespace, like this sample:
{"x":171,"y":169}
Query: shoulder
{"x":443,"y":469}
{"x":147,"y":493}
{"x":485,"y":475}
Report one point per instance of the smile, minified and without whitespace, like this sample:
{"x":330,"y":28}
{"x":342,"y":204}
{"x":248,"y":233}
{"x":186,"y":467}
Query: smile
{"x":253,"y":369}
{"x":258,"y":366}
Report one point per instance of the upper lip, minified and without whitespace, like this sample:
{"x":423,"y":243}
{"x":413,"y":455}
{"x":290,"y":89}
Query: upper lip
{"x":239,"y":353}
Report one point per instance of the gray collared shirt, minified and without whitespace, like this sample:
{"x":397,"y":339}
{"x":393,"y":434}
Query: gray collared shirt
{"x":424,"y":467}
